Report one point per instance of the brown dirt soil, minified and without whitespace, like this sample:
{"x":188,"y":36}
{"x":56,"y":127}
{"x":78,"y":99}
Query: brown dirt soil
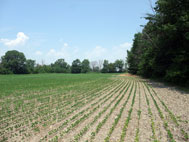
{"x":106,"y":127}
{"x":70,"y":136}
{"x":118,"y":129}
{"x":128,"y":75}
{"x":88,"y":134}
{"x":177,"y":103}
{"x":56,"y":125}
{"x":145,"y":130}
{"x":160,"y":131}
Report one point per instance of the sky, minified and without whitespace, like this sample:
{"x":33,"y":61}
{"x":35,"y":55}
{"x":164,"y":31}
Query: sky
{"x":47,"y":30}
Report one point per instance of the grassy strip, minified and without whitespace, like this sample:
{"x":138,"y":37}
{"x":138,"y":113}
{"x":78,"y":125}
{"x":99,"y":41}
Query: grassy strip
{"x":123,"y":134}
{"x":85,"y":129}
{"x":165,"y":123}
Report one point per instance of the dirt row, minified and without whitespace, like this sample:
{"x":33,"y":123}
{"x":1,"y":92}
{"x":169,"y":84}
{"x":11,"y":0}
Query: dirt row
{"x":39,"y":136}
{"x":133,"y":110}
{"x":146,"y":133}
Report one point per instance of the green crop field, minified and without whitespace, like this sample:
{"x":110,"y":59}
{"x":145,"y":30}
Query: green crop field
{"x":90,"y":107}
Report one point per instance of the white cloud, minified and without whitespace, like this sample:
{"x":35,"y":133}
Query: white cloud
{"x":51,"y":52}
{"x":21,"y":38}
{"x":62,"y":53}
{"x":66,"y":52}
{"x":126,"y":45}
{"x":96,"y":53}
{"x":111,"y":54}
{"x":65,"y":45}
{"x":120,"y":52}
{"x":38,"y":53}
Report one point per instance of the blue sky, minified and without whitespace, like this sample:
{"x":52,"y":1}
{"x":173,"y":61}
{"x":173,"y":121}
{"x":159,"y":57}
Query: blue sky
{"x":51,"y":29}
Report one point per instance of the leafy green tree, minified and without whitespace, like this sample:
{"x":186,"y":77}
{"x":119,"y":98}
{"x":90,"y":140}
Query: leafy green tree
{"x":76,"y":66}
{"x":14,"y":62}
{"x":96,"y":69}
{"x":119,"y":65}
{"x":133,"y":56}
{"x":111,"y":68}
{"x":105,"y":67}
{"x":60,"y":66}
{"x":85,"y":66}
{"x":161,"y":50}
{"x":30,"y":64}
{"x":43,"y":69}
{"x":3,"y":70}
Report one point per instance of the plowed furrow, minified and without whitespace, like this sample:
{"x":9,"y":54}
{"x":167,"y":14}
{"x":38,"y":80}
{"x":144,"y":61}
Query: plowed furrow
{"x":59,"y":126}
{"x":68,"y":131}
{"x":146,"y":120}
{"x":103,"y":126}
{"x":163,"y":131}
{"x":178,"y":133}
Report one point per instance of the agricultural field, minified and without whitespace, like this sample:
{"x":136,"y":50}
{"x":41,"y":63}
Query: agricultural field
{"x":91,"y":108}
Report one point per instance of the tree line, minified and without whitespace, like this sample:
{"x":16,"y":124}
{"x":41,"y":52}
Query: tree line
{"x":161,"y":50}
{"x":15,"y":62}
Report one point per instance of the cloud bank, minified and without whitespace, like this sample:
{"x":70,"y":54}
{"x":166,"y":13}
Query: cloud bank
{"x":95,"y":53}
{"x":21,"y":39}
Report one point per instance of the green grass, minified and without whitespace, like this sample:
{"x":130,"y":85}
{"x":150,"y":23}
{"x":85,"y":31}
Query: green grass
{"x":29,"y":101}
{"x":10,"y":84}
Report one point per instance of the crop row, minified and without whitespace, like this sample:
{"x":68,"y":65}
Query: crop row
{"x":28,"y":97}
{"x":172,"y":116}
{"x":117,"y":118}
{"x":87,"y":115}
{"x":139,"y":115}
{"x":38,"y":110}
{"x":109,"y":95}
{"x":86,"y":128}
{"x":165,"y":123}
{"x":123,"y":133}
{"x":151,"y":117}
{"x":42,"y":99}
{"x":18,"y":125}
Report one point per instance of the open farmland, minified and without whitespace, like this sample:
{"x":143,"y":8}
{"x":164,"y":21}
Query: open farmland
{"x":91,"y":108}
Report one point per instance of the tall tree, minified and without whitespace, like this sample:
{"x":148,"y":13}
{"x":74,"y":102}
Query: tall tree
{"x":76,"y":66}
{"x":85,"y":66}
{"x":30,"y":64}
{"x":119,"y":65}
{"x":105,"y":67}
{"x":161,"y":50}
{"x":60,"y":66}
{"x":15,"y":62}
{"x":133,"y":56}
{"x":111,"y":68}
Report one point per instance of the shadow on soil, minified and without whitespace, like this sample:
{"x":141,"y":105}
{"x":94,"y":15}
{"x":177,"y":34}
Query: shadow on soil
{"x":161,"y":84}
